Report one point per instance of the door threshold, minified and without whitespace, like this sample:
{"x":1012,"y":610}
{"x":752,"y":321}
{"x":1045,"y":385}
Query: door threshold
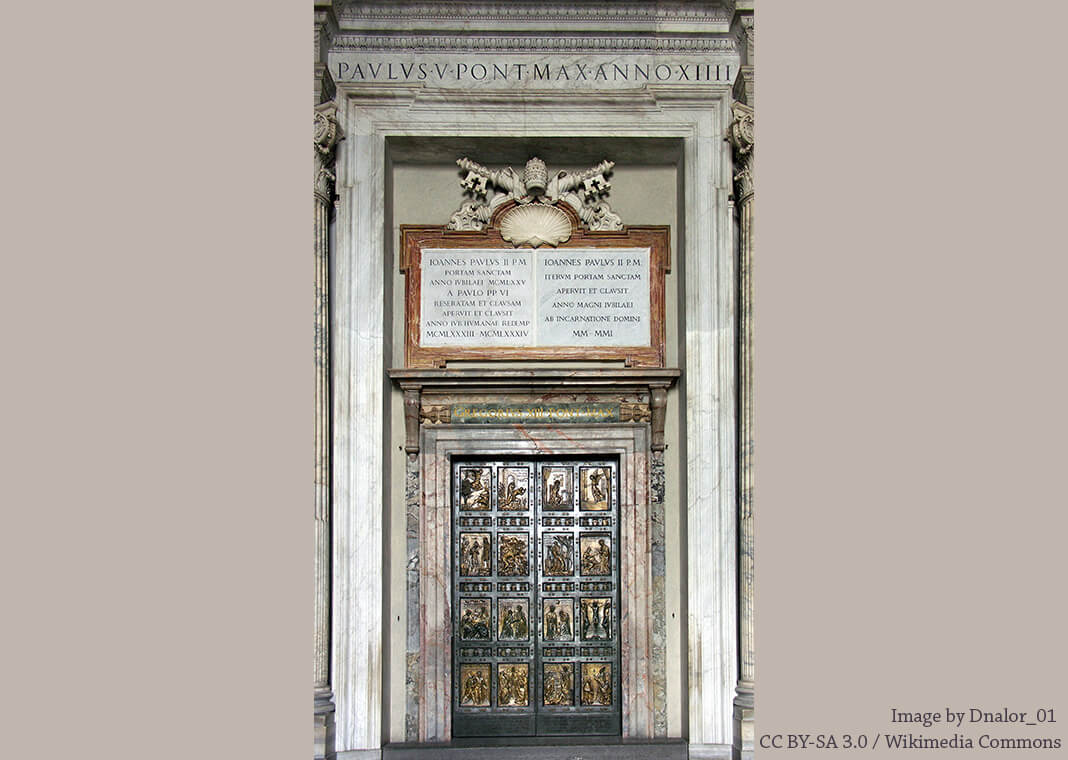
{"x":542,"y":748}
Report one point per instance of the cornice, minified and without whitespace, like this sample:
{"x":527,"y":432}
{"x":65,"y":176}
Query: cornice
{"x":348,"y":41}
{"x":678,"y":15}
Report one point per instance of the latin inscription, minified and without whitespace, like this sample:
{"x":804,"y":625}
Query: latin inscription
{"x":519,"y":71}
{"x":526,"y":298}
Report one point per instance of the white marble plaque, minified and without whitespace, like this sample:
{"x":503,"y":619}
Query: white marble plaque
{"x":593,"y":297}
{"x":472,"y":297}
{"x":525,"y":298}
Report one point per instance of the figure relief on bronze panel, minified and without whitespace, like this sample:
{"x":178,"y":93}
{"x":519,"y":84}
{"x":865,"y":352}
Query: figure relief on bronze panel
{"x":557,"y":617}
{"x":512,"y":554}
{"x":475,"y":685}
{"x":475,"y":555}
{"x":594,"y":486}
{"x":558,"y":683}
{"x":596,"y":619}
{"x":596,"y":683}
{"x":556,"y":488}
{"x":512,"y":489}
{"x":558,"y":551}
{"x":596,"y":555}
{"x":512,"y":689}
{"x":475,"y":619}
{"x":474,"y":488}
{"x":513,"y":622}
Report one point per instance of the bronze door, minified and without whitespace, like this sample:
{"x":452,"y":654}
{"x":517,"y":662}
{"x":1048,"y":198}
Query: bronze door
{"x":535,"y":579}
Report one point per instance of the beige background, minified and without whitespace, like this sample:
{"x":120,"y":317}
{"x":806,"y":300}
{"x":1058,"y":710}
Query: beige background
{"x":158,"y":384}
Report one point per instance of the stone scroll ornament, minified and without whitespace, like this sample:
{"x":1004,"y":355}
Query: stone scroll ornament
{"x":536,"y":218}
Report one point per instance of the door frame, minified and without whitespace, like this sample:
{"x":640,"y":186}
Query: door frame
{"x":642,"y":604}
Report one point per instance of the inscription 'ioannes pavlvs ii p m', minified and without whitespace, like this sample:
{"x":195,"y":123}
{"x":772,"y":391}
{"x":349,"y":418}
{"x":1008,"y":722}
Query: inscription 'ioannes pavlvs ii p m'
{"x":527,"y":298}
{"x":577,"y":302}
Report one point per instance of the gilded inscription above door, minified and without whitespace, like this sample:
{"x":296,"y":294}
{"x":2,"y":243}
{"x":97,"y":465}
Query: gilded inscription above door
{"x":535,"y":593}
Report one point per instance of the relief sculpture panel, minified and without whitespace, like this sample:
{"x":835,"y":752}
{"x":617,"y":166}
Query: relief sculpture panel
{"x":557,"y":617}
{"x":475,"y":685}
{"x":512,"y":688}
{"x":512,"y":556}
{"x":596,"y":555}
{"x":558,"y":550}
{"x":558,"y":684}
{"x":596,"y":683}
{"x":475,"y":554}
{"x":513,"y":620}
{"x":556,"y":488}
{"x":512,"y":489}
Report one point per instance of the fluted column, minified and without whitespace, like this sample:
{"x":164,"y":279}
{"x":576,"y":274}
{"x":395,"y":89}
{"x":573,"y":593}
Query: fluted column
{"x":741,"y":137}
{"x":325,"y":140}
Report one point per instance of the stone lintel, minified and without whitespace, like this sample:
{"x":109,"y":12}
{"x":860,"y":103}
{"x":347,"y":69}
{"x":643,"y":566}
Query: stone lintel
{"x":458,"y":380}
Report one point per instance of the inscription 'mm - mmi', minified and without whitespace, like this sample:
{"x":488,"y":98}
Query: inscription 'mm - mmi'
{"x":584,"y":296}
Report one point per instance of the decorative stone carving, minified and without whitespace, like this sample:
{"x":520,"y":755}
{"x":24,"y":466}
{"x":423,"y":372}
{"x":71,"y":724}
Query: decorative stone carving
{"x":602,"y":13}
{"x":472,"y":216}
{"x":742,"y":140}
{"x":634,"y":413}
{"x":326,"y":137}
{"x":411,"y":422}
{"x":534,"y":225}
{"x":435,"y":415}
{"x":536,"y":220}
{"x":512,"y":43}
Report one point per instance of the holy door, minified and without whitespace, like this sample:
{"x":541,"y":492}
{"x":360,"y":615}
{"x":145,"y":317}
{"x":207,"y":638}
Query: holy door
{"x":535,"y":589}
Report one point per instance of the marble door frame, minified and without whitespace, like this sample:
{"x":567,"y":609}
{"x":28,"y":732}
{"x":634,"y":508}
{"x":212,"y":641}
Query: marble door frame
{"x":430,"y":650}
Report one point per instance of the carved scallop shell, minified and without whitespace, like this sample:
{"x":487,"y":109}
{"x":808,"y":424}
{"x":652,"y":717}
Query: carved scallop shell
{"x":535,"y":225}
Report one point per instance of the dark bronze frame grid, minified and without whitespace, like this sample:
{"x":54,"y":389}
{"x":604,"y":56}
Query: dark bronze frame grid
{"x":536,"y":587}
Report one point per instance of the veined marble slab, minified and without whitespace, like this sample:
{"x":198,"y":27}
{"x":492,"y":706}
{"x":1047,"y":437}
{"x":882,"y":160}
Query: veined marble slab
{"x":526,"y":298}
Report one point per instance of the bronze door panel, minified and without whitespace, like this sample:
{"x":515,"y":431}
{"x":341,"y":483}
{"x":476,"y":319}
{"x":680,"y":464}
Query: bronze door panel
{"x":535,"y":595}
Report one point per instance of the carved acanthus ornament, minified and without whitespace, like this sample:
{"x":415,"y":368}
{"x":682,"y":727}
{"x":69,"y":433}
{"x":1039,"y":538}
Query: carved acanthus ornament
{"x":326,"y":138}
{"x":536,"y":218}
{"x":742,"y":140}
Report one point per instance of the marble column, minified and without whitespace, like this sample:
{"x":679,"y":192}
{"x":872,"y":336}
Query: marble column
{"x":325,"y":140}
{"x":741,"y":138}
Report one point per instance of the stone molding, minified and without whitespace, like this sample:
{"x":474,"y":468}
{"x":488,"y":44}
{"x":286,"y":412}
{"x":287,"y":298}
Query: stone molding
{"x":516,"y":43}
{"x":519,"y":13}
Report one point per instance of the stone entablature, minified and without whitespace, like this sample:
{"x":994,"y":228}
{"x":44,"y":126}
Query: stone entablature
{"x":430,"y":394}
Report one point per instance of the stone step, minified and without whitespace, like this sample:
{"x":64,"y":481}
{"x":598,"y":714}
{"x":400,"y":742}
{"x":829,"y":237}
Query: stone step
{"x":543,"y":748}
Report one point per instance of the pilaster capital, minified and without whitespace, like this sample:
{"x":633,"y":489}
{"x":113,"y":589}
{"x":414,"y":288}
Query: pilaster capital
{"x":325,"y":139}
{"x":743,"y":31}
{"x":741,"y":137}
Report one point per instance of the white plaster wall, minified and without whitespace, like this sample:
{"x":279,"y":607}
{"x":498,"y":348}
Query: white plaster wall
{"x":426,"y":193}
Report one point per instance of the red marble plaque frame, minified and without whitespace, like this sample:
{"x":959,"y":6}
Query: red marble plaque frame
{"x":416,"y":238}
